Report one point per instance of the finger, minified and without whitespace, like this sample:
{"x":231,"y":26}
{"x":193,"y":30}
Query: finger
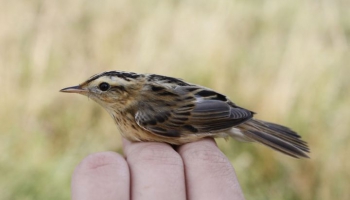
{"x":101,"y":176}
{"x":209,"y":174}
{"x":156,"y":169}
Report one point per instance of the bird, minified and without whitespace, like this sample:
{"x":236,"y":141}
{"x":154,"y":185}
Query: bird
{"x":157,"y":108}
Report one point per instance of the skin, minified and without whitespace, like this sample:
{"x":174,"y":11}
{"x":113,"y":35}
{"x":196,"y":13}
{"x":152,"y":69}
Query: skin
{"x":151,"y":170}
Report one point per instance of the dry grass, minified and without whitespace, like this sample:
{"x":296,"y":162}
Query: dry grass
{"x":286,"y":60}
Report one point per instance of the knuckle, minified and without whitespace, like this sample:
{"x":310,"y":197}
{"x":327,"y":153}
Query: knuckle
{"x":207,"y":155}
{"x":102,"y":159}
{"x":157,"y":154}
{"x":209,"y":159}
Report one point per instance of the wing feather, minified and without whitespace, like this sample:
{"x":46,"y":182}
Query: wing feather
{"x":196,"y":110}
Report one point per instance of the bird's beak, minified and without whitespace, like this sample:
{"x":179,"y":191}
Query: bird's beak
{"x":74,"y":89}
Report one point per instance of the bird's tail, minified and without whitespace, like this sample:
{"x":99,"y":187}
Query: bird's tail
{"x":275,"y":136}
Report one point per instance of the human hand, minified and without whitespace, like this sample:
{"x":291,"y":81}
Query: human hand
{"x":150,"y":170}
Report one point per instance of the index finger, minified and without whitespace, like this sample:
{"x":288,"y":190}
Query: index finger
{"x":156,"y":170}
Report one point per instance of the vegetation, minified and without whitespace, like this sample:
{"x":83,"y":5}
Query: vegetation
{"x":286,"y":60}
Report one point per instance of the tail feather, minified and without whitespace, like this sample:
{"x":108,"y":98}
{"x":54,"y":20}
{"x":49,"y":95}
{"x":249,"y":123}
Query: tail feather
{"x":275,"y":136}
{"x":286,"y":134}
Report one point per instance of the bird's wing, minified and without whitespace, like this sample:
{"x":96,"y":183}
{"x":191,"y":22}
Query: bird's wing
{"x":187,"y":110}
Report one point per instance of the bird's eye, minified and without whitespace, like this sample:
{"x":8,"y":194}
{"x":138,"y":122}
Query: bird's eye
{"x":104,"y":86}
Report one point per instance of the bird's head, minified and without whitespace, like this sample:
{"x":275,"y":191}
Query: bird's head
{"x":109,"y":89}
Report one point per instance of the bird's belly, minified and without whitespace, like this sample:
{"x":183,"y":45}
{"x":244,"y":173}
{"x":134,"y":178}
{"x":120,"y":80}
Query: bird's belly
{"x":130,"y":130}
{"x":135,"y":133}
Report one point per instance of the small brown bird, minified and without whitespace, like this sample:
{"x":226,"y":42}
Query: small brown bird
{"x":150,"y":107}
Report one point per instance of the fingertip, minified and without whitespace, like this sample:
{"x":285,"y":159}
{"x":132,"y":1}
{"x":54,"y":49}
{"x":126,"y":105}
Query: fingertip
{"x":103,"y":174}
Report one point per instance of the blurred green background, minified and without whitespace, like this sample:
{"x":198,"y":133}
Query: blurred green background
{"x":286,"y":60}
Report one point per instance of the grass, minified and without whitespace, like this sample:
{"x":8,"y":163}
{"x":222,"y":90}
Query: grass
{"x":286,"y":60}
